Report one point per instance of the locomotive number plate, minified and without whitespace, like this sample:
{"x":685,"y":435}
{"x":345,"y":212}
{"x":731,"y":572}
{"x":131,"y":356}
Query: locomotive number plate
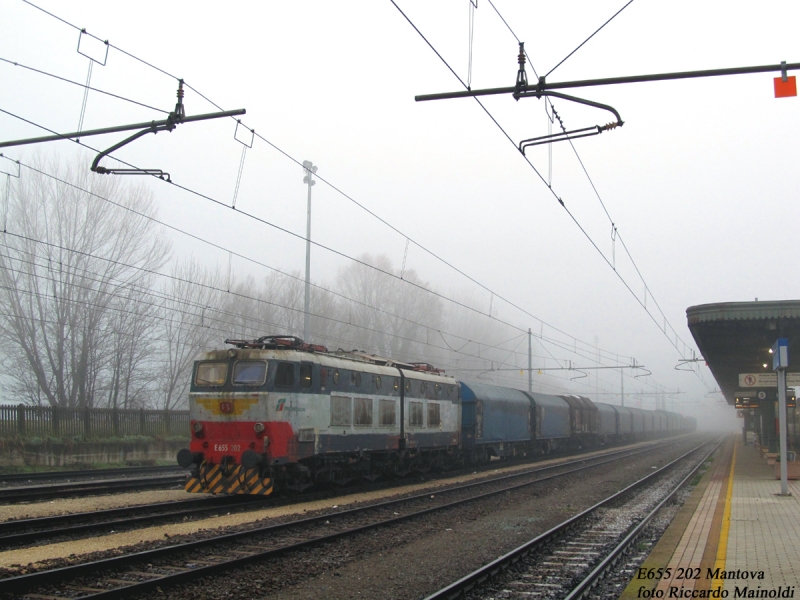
{"x":227,"y":447}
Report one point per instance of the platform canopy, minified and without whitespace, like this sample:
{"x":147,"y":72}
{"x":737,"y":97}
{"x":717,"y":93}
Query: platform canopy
{"x":735,"y":337}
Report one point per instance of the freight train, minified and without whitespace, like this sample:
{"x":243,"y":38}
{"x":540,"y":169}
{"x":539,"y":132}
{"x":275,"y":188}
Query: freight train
{"x":278,"y":413}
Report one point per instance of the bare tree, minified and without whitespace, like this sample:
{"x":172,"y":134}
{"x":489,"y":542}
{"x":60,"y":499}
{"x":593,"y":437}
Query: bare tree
{"x":388,"y":315}
{"x":68,"y":258}
{"x":131,"y":356}
{"x":192,"y":320}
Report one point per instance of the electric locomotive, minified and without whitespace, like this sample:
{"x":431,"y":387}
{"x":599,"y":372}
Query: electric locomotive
{"x":277,"y":412}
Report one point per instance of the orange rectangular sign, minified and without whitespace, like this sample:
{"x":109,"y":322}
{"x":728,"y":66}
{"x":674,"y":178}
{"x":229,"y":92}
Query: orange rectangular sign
{"x":785,"y":89}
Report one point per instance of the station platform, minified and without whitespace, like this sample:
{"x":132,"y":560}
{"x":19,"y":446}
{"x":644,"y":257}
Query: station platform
{"x":734,"y":537}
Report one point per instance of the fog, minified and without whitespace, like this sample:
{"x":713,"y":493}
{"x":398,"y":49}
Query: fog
{"x":697,"y":182}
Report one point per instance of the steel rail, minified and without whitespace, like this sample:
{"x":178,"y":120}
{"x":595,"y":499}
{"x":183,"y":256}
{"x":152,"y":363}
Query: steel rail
{"x":13,"y":585}
{"x":60,"y":490}
{"x":5,"y":478}
{"x":479,"y":576}
{"x":43,"y":528}
{"x":612,"y":557}
{"x":73,"y":524}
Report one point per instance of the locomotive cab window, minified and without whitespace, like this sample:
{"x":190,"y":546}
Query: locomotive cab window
{"x":284,"y":376}
{"x":211,"y":373}
{"x":249,"y":372}
{"x":305,"y":375}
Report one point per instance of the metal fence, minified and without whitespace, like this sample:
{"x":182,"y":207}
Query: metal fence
{"x":47,"y":421}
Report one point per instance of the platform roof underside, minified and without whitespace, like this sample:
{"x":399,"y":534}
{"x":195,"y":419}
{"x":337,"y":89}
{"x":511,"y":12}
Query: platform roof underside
{"x":735,"y":337}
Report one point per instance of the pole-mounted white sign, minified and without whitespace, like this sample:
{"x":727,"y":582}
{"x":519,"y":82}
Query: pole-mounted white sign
{"x":780,"y":362}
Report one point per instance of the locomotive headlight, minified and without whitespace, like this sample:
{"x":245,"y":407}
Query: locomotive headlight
{"x":259,"y":427}
{"x":197,"y":426}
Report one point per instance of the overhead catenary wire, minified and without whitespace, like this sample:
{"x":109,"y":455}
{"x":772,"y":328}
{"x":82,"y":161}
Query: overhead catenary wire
{"x":614,"y":230}
{"x":127,"y":286}
{"x":627,"y":4}
{"x":539,"y":337}
{"x":161,"y":296}
{"x":223,"y":290}
{"x":162,"y":71}
{"x":497,"y":364}
{"x":145,"y":291}
{"x":363,"y":263}
{"x":88,"y":87}
{"x":225,"y":331}
{"x":331,"y":185}
{"x":674,"y":343}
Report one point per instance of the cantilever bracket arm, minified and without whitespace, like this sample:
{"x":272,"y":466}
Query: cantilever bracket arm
{"x":582,"y":375}
{"x":574,"y":133}
{"x":157,"y":172}
{"x":89,"y":132}
{"x":685,"y":363}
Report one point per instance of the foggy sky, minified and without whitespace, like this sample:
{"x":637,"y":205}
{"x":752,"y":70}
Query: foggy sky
{"x":700,"y":181}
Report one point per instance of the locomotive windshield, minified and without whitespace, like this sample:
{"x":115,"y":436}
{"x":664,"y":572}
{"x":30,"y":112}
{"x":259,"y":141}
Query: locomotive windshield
{"x":211,"y":373}
{"x":250,"y":372}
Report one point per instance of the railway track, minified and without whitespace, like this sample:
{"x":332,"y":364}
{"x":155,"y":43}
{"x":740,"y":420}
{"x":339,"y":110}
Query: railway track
{"x":88,"y":488}
{"x":21,"y":532}
{"x":567,"y":561}
{"x":13,"y":478}
{"x":26,"y":531}
{"x":143,"y":572}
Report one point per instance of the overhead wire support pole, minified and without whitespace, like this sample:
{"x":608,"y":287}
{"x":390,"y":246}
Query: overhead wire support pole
{"x":543,"y":85}
{"x":530,"y":360}
{"x":310,"y":170}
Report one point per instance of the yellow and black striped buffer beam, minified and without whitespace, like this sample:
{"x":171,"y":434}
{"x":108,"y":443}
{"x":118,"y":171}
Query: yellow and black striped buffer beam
{"x":212,"y":479}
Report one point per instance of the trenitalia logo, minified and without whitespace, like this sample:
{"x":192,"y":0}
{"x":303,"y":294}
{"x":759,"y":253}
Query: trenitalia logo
{"x":281,"y":407}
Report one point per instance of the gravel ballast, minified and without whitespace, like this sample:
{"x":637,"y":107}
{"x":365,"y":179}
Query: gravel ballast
{"x":405,"y":560}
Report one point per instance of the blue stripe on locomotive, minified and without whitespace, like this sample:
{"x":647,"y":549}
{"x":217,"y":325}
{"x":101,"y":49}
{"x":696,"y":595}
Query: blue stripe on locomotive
{"x":504,"y":412}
